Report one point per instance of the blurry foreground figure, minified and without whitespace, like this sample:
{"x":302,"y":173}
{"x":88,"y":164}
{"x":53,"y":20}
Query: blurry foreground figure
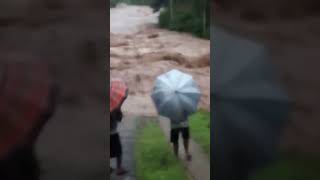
{"x":27,"y":101}
{"x":115,"y":142}
{"x":249,"y":107}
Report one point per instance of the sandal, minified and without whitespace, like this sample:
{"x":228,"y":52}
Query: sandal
{"x":188,"y":157}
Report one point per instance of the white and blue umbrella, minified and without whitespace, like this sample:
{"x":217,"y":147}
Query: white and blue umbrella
{"x":176,"y":95}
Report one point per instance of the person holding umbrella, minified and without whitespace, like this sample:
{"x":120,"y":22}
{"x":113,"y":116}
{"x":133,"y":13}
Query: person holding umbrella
{"x":183,"y":128}
{"x":176,"y":96}
{"x":118,"y":94}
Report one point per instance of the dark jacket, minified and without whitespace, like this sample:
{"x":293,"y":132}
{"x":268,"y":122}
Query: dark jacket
{"x":115,"y":118}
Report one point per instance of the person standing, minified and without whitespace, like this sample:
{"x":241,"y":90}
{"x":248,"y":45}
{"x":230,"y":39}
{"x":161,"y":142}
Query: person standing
{"x":23,"y":114}
{"x":177,"y":128}
{"x":115,"y":142}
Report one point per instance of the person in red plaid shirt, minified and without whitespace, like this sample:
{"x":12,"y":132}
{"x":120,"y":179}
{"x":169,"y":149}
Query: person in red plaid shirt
{"x":27,"y":101}
{"x":115,"y":142}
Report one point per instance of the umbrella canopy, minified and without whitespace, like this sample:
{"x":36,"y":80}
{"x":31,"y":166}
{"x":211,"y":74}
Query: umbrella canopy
{"x":24,"y":99}
{"x":175,"y":95}
{"x":249,"y":106}
{"x":118,"y":93}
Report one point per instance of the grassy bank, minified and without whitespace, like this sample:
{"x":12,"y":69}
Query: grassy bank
{"x":154,"y":159}
{"x":200,"y":129}
{"x":291,"y":168}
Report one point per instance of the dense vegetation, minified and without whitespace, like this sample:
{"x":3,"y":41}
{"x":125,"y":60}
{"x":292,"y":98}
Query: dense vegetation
{"x":113,"y":3}
{"x":191,"y":16}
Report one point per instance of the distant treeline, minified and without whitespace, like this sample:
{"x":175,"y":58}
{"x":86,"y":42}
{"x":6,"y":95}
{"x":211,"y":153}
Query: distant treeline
{"x":113,"y":3}
{"x":191,"y":16}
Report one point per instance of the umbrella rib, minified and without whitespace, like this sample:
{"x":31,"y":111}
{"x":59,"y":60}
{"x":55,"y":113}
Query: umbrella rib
{"x":181,"y":75}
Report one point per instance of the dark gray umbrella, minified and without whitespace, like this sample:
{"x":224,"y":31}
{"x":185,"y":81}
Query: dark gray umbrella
{"x":176,"y":95}
{"x":249,"y":106}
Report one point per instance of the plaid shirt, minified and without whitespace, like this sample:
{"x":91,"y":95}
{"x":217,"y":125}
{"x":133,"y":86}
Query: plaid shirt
{"x":26,"y":103}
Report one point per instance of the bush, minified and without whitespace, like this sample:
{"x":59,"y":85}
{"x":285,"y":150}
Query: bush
{"x":183,"y":22}
{"x":113,"y":3}
{"x":164,"y":19}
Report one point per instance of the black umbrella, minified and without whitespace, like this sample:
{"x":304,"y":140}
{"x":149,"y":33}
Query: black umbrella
{"x":249,"y":106}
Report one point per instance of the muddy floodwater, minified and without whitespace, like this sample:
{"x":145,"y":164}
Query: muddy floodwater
{"x":140,"y":51}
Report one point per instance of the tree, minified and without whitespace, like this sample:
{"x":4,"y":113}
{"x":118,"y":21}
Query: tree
{"x":201,"y":8}
{"x":171,"y":10}
{"x":157,"y":4}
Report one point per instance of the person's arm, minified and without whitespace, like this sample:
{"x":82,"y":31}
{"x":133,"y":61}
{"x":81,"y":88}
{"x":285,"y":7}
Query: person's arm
{"x":117,"y":114}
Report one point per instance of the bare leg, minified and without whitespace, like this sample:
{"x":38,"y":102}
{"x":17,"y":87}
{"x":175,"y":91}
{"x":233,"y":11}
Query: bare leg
{"x":186,"y":148}
{"x":176,"y":149}
{"x":119,"y":162}
{"x":120,"y":169}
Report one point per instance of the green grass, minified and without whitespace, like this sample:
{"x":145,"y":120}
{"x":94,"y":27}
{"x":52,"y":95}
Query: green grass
{"x":154,"y":159}
{"x":291,"y":169}
{"x":200,"y":129}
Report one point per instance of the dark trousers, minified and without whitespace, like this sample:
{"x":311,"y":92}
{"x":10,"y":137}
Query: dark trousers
{"x":174,"y":134}
{"x":115,"y":146}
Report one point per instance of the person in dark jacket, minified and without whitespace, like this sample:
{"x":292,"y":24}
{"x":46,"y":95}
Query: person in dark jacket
{"x":22,"y":162}
{"x":115,"y":143}
{"x":182,"y":127}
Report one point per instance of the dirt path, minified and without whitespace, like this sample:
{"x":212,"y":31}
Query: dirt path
{"x":127,"y":131}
